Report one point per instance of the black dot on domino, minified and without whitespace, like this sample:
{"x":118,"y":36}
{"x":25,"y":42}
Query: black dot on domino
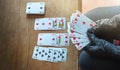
{"x":62,"y":56}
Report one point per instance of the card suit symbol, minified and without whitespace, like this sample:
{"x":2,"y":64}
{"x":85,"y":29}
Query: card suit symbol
{"x":61,"y":20}
{"x":42,"y":55}
{"x":43,"y":51}
{"x":84,"y":22}
{"x":66,"y":37}
{"x":41,"y":7}
{"x":62,"y":56}
{"x":49,"y":51}
{"x":49,"y":23}
{"x":40,"y":38}
{"x":63,"y":52}
{"x":43,"y":23}
{"x":54,"y":57}
{"x":37,"y":24}
{"x":91,"y":25}
{"x":36,"y":49}
{"x":59,"y":36}
{"x":76,"y":19}
{"x":53,"y":39}
{"x":39,"y":52}
{"x":66,"y":41}
{"x":48,"y":56}
{"x":55,"y":53}
{"x":78,"y":15}
{"x":28,"y":7}
{"x":78,"y":37}
{"x":72,"y":31}
{"x":74,"y":38}
{"x":36,"y":54}
{"x":78,"y":44}
{"x":55,"y":20}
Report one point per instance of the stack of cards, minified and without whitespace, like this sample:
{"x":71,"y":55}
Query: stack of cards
{"x":53,"y":39}
{"x":77,"y":29}
{"x":50,"y":54}
{"x":50,"y":23}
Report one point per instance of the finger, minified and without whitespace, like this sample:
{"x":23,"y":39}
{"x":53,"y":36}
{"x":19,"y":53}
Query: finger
{"x":93,"y":38}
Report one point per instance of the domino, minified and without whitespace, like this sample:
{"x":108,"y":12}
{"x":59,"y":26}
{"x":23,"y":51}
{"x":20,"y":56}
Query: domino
{"x":35,"y":8}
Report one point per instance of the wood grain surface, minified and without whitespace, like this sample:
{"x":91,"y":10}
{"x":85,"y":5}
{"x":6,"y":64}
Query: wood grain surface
{"x":18,"y":38}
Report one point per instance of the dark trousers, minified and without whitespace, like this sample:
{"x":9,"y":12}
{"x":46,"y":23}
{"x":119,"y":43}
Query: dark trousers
{"x":88,"y":62}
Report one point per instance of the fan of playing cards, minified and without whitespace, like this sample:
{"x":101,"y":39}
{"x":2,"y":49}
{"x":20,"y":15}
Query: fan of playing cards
{"x":77,"y":29}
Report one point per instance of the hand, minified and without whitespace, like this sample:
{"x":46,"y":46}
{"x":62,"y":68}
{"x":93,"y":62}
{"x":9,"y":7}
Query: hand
{"x":102,"y":47}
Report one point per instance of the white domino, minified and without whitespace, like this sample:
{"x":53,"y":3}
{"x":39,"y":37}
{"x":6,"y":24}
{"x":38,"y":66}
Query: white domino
{"x":35,"y":8}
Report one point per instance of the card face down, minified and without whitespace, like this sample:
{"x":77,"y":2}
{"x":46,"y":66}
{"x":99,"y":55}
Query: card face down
{"x":35,"y":8}
{"x":50,"y":23}
{"x":53,"y":39}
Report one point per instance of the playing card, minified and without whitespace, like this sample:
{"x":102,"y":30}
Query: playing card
{"x":79,"y":46}
{"x":62,"y":54}
{"x":55,"y":55}
{"x":73,"y":28}
{"x":47,"y":39}
{"x":50,"y":23}
{"x":35,"y":8}
{"x":63,"y":39}
{"x":84,"y":23}
{"x":35,"y":52}
{"x":59,"y":23}
{"x":78,"y":40}
{"x":74,"y":34}
{"x":50,"y":54}
{"x":59,"y":54}
{"x":43,"y":24}
{"x":43,"y":53}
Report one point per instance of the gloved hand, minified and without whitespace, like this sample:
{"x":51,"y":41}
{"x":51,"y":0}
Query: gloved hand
{"x":100,"y":47}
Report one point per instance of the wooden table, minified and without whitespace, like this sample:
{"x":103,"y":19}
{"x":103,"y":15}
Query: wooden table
{"x":18,"y":38}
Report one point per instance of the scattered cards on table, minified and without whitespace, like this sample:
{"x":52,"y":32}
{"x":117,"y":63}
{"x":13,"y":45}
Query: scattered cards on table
{"x":50,"y":54}
{"x":53,"y":39}
{"x":77,"y":29}
{"x":50,"y":23}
